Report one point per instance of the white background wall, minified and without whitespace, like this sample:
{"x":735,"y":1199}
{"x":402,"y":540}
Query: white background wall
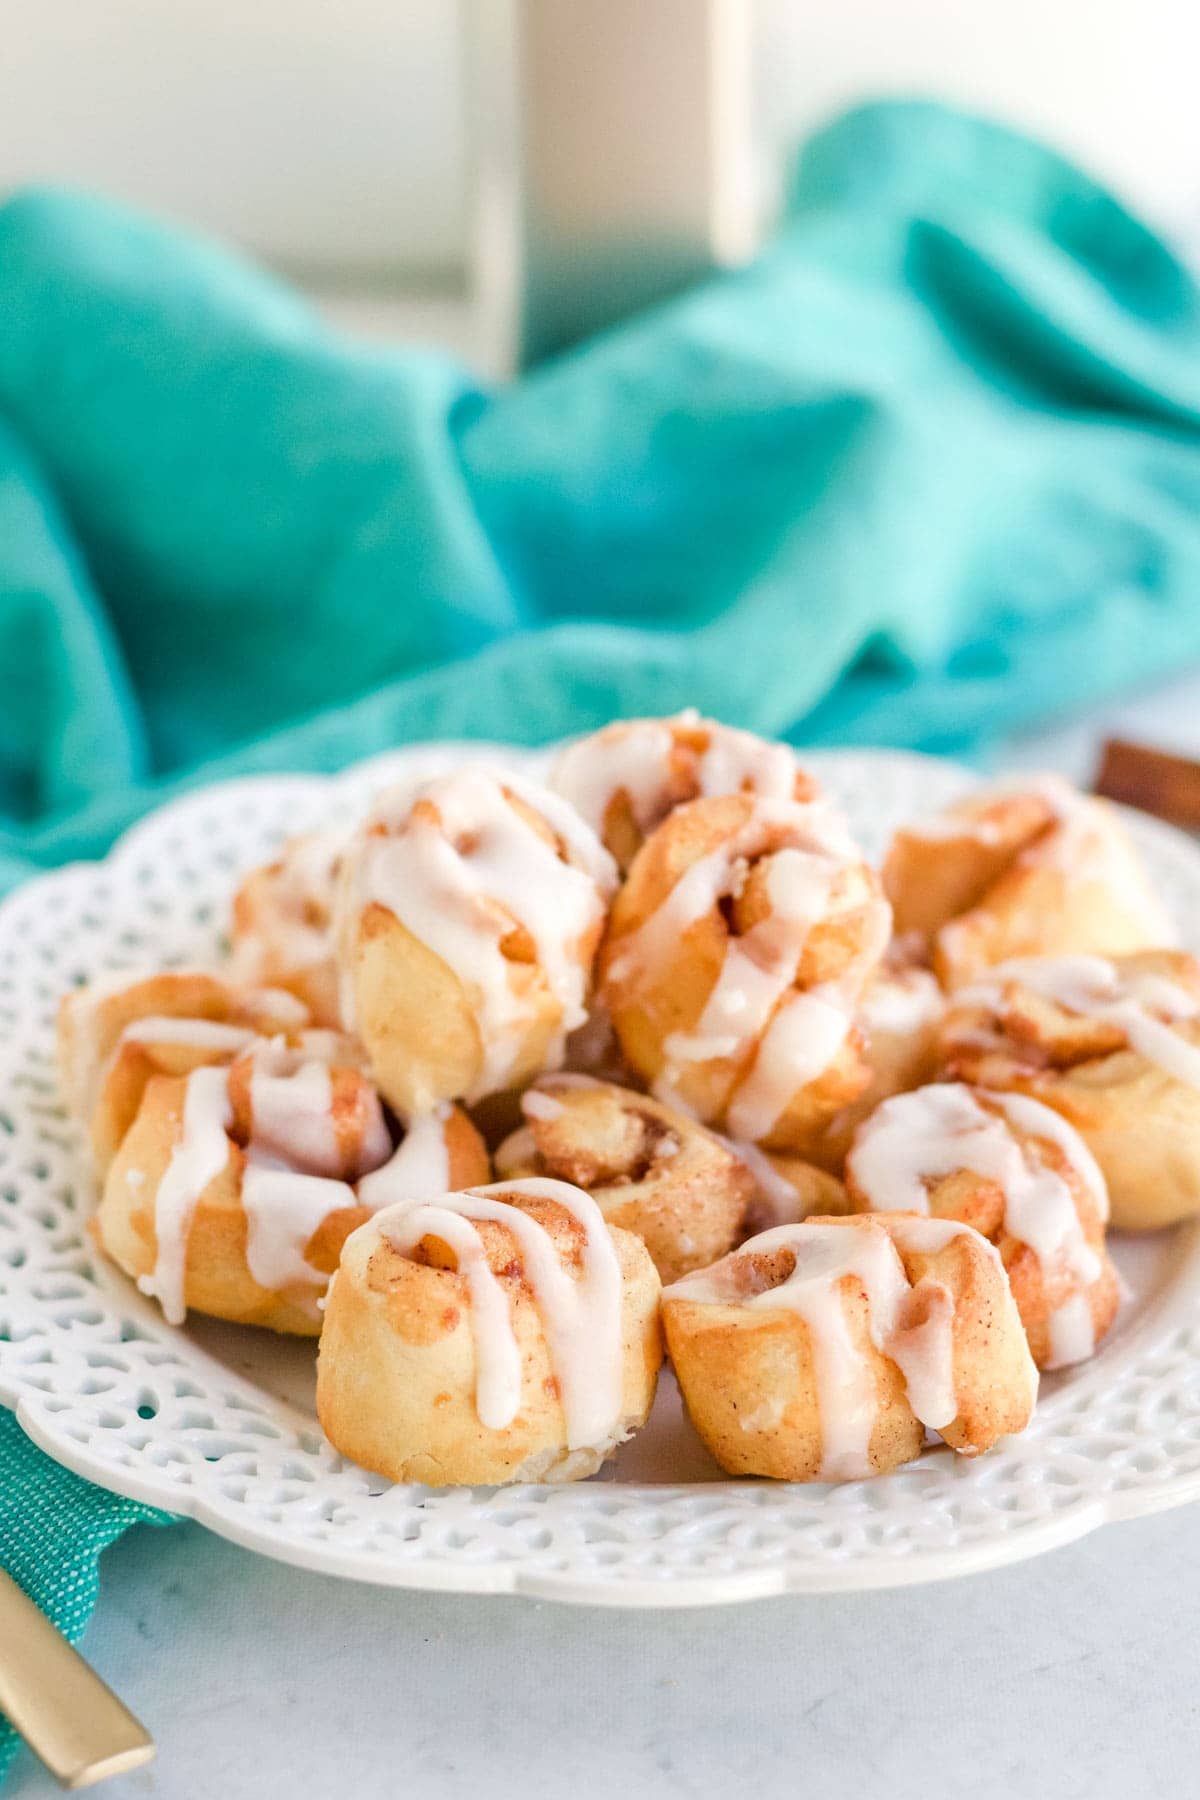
{"x":328,"y":135}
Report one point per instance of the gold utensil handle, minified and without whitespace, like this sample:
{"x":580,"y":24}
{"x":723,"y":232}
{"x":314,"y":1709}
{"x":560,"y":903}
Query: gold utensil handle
{"x":59,"y":1705}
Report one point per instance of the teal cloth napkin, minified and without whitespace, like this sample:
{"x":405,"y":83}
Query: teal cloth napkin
{"x":927,"y":470}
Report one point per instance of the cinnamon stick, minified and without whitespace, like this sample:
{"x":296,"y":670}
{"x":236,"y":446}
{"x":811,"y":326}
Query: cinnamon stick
{"x":1155,"y":781}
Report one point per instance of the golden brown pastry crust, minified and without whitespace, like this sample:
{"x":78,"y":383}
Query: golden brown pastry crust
{"x":657,"y":997}
{"x":628,"y":777}
{"x":979,"y":1200}
{"x":1012,"y":872}
{"x":397,"y":1371}
{"x":750,"y":1377}
{"x":650,"y":1170}
{"x":1140,"y":1122}
{"x":421,"y":1021}
{"x":217,"y":1278}
{"x":108,"y":1050}
{"x":281,"y":925}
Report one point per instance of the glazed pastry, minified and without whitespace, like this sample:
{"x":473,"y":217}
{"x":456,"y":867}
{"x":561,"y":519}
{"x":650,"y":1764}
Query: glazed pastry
{"x":737,"y":953}
{"x":650,"y":1170}
{"x":1024,"y":869}
{"x":1018,"y":1173}
{"x":468,"y":923}
{"x":281,"y":928}
{"x":117,"y":1033}
{"x":1113,"y":1045}
{"x":899,"y":1019}
{"x":501,"y":1334}
{"x":625,"y":779}
{"x":235,"y":1187}
{"x":824,"y":1351}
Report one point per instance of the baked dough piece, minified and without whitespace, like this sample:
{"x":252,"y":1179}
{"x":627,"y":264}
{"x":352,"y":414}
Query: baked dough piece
{"x":235,"y":1187}
{"x":1017,"y":1172}
{"x":898,"y":1018}
{"x":1113,"y":1045}
{"x":1021,"y":869}
{"x":501,"y":1334}
{"x":468,"y":920}
{"x":650,"y":1170}
{"x":823,"y":1351}
{"x":281,"y":928}
{"x":737,"y":952}
{"x":625,"y":779}
{"x":118,"y":1032}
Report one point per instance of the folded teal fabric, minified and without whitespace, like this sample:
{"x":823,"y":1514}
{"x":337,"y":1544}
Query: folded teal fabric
{"x":929,"y":469}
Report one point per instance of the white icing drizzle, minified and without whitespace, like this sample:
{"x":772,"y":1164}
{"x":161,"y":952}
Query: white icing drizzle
{"x":197,"y":1159}
{"x":899,"y":1003}
{"x":284,"y":1207}
{"x":419,"y":1169}
{"x":1084,"y":841}
{"x":295,"y":1170}
{"x":737,"y":762}
{"x":934,"y":1132}
{"x":751,"y":1010}
{"x":538,"y":1105}
{"x":294,"y":928}
{"x":581,"y":1319}
{"x":457,"y":881}
{"x":639,"y":757}
{"x":799,"y":1044}
{"x":630,"y":758}
{"x":1144,"y":1005}
{"x":291,"y":1113}
{"x":825,"y":1255}
{"x":198,"y":1034}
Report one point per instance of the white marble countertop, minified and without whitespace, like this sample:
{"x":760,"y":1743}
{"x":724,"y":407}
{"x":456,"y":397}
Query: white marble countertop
{"x":1072,"y":1677}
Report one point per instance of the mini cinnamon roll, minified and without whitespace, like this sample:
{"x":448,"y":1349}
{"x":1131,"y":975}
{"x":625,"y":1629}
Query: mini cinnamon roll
{"x":1021,"y":869}
{"x":500,"y":1334}
{"x":1113,"y":1045}
{"x":281,"y":929}
{"x":1018,"y":1173}
{"x":116,"y":1033}
{"x":625,"y":779}
{"x":824,"y":1351}
{"x":235,"y":1187}
{"x":649,"y":1170}
{"x":737,"y":952}
{"x":468,"y":923}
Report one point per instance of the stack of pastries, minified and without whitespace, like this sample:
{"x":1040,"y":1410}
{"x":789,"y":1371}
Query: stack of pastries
{"x":520,"y":1086}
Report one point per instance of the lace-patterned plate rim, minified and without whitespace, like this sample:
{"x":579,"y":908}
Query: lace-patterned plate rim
{"x":217,"y":1426}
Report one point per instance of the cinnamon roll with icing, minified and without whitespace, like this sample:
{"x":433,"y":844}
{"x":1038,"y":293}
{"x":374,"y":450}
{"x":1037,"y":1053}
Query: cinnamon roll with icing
{"x":737,"y":952}
{"x":281,"y":927}
{"x":1112,"y":1044}
{"x":500,"y":1334}
{"x":118,"y":1032}
{"x":1018,"y":1173}
{"x":468,"y":920}
{"x":235,"y":1186}
{"x":1024,"y":868}
{"x":650,"y":1170}
{"x":824,"y":1351}
{"x":625,"y":779}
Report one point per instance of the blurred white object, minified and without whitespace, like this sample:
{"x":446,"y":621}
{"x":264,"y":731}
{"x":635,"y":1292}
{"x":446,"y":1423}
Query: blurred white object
{"x":339,"y":143}
{"x":612,"y":159}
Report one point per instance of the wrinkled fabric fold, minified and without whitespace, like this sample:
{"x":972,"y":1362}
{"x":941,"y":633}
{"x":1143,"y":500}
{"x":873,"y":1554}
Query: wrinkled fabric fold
{"x":928,"y":470}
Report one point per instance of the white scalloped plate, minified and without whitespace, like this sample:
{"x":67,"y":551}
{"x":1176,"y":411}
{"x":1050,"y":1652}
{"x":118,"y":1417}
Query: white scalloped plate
{"x":216,"y":1421}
